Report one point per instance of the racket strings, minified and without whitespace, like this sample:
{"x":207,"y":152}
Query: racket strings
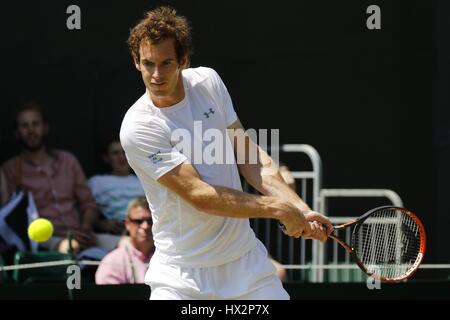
{"x":388,"y":243}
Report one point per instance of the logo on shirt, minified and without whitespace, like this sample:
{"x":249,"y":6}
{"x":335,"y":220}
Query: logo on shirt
{"x":207,"y":114}
{"x":225,"y":146}
{"x":155,"y":157}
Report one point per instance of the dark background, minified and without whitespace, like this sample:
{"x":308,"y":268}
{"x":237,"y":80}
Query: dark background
{"x":374,"y":103}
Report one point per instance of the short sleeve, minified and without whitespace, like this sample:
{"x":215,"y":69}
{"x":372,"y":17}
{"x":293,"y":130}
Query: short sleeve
{"x":148,"y":147}
{"x":94,"y":185}
{"x":225,"y":99}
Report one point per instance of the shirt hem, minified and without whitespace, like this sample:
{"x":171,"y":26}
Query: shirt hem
{"x":176,"y":262}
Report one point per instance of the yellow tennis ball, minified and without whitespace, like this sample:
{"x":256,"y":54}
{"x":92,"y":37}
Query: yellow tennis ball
{"x":40,"y":230}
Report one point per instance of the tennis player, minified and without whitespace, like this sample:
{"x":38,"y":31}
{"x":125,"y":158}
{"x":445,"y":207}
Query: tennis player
{"x":205,"y":248}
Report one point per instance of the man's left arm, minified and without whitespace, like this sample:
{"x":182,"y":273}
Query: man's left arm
{"x":262,"y":173}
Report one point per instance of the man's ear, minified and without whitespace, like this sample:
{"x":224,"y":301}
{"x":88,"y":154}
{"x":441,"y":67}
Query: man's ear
{"x":127,"y":225}
{"x":184,"y":62}
{"x":137,"y":64}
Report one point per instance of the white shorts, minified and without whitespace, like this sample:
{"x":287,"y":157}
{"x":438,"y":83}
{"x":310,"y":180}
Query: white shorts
{"x":251,"y":277}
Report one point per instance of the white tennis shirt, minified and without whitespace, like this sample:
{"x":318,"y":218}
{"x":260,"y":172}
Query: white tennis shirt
{"x":150,"y":137}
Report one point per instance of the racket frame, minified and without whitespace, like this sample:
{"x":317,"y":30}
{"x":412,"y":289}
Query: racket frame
{"x":357,"y":224}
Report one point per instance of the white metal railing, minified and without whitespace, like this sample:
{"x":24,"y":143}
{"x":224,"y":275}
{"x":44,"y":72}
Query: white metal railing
{"x":391,"y":195}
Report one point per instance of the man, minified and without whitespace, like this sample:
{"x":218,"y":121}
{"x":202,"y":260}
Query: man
{"x":56,"y":181}
{"x":113,"y":191}
{"x":128,"y":263}
{"x":205,"y":248}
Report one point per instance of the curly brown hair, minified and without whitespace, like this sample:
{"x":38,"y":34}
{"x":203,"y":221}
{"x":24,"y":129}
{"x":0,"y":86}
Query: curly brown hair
{"x":160,"y":24}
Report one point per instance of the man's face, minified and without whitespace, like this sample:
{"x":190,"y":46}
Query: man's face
{"x":139,"y":225}
{"x":160,"y":68}
{"x":31,"y":130}
{"x":115,"y":157}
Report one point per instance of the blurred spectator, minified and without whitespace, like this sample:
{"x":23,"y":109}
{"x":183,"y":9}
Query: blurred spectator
{"x":129,"y":263}
{"x":114,"y":191}
{"x":57,"y":182}
{"x":4,"y":191}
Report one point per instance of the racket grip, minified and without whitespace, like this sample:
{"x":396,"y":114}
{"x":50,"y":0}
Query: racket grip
{"x":283,"y":227}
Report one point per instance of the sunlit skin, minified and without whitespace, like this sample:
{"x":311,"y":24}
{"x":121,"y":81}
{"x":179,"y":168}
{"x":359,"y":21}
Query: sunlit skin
{"x":161,"y":72}
{"x":116,"y":159}
{"x":140,"y":234}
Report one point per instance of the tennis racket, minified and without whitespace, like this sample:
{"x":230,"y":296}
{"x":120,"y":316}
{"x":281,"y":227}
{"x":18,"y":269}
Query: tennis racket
{"x":387,"y":243}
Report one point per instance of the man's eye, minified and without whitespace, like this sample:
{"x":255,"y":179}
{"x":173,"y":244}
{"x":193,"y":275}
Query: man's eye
{"x":167,"y":62}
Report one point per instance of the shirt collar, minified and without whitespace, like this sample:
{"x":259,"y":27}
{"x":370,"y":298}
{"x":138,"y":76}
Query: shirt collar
{"x":138,"y":254}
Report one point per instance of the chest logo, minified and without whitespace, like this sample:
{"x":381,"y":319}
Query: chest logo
{"x":209,"y":113}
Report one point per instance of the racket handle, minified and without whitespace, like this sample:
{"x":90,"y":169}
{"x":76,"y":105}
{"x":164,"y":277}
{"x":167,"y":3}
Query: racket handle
{"x":283,"y":227}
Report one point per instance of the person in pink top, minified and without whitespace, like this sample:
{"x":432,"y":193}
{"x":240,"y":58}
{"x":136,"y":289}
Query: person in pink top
{"x":129,"y":262}
{"x":57,"y":182}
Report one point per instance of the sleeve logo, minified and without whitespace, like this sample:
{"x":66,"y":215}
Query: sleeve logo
{"x":155,"y":157}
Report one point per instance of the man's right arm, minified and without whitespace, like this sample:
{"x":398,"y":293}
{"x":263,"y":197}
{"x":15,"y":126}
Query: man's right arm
{"x":223,"y":201}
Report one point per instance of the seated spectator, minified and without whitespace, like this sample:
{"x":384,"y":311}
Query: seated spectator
{"x":129,"y":263}
{"x":113,"y":191}
{"x":57,"y":183}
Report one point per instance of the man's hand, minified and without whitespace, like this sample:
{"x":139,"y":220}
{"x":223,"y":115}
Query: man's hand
{"x":293,"y":221}
{"x":81,"y":239}
{"x":320,"y":226}
{"x":85,"y":237}
{"x":309,"y":225}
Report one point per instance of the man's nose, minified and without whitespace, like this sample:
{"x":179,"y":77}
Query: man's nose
{"x":145,"y":225}
{"x":157,"y":72}
{"x":30,"y":130}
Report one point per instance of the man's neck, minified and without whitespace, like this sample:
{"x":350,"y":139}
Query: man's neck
{"x":144,"y":248}
{"x":38,"y":157}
